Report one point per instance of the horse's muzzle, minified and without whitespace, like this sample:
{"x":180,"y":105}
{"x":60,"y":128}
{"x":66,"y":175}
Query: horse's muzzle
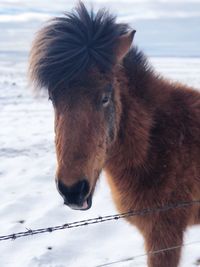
{"x":76,"y":196}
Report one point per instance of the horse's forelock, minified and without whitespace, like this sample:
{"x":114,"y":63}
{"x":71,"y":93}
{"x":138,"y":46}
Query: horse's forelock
{"x":67,"y":46}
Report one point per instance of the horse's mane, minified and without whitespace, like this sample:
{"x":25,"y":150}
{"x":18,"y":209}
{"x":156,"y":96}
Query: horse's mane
{"x":138,"y":69}
{"x":67,"y":46}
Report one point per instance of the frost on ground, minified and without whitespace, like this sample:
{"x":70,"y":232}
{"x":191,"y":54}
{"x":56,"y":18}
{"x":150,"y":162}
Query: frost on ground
{"x":28,"y":194}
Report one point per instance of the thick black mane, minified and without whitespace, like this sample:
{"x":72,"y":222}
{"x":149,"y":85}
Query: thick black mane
{"x":138,"y":68}
{"x":66,"y":47}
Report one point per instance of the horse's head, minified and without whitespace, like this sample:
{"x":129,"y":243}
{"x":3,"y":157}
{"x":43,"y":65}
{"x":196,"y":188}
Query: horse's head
{"x":75,"y":57}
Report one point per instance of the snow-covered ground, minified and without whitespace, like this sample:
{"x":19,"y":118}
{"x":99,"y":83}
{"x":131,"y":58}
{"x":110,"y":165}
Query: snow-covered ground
{"x":27,"y":158}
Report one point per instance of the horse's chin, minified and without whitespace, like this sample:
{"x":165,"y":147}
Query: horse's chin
{"x":87,"y":204}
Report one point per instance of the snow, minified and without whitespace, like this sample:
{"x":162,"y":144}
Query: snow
{"x":29,"y":198}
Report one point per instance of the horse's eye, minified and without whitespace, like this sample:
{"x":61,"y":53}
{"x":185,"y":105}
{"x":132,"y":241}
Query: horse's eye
{"x":105,"y":100}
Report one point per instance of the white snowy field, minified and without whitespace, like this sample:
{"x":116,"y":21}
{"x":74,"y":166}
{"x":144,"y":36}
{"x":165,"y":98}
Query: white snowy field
{"x":29,"y":198}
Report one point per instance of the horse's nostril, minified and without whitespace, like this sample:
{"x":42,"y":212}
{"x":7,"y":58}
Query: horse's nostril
{"x":84,"y":187}
{"x":62,"y":188}
{"x":74,"y":194}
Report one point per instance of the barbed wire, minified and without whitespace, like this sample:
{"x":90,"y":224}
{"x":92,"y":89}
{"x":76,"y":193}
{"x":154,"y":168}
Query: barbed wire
{"x":99,"y":219}
{"x":148,"y":254}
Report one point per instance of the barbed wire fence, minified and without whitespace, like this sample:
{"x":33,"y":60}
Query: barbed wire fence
{"x":147,"y":254}
{"x":114,"y":217}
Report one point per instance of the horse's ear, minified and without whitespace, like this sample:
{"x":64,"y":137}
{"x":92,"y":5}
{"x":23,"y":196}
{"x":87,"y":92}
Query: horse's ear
{"x":124,"y":43}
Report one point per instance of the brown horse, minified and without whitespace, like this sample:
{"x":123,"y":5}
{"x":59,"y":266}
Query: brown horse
{"x":113,"y":112}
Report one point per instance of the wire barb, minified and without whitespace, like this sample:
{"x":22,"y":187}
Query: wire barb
{"x":100,"y":219}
